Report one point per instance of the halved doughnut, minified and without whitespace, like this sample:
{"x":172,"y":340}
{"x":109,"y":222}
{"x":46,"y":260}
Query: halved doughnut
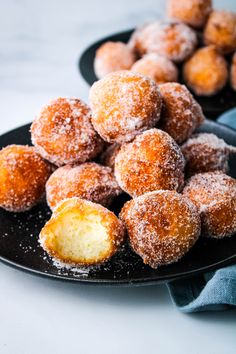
{"x":81,"y":233}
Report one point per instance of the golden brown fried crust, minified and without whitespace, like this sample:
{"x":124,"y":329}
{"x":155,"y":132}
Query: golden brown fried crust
{"x":114,"y":228}
{"x":172,"y":39}
{"x":220,"y":31}
{"x":150,"y":162}
{"x":23,"y":175}
{"x":191,"y":12}
{"x":162,"y":226}
{"x":205,"y":153}
{"x":214,"y":194}
{"x":135,"y":43}
{"x":206,"y":72}
{"x":89,"y":181}
{"x":181,"y":114}
{"x":113,"y":56}
{"x":62,"y":133}
{"x":123,"y":105}
{"x":233,"y":72}
{"x":157,"y":67}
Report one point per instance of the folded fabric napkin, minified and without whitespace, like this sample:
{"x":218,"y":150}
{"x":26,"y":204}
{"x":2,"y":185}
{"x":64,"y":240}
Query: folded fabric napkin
{"x":212,"y":291}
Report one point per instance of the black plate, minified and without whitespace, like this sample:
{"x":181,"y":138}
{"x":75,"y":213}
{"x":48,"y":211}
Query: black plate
{"x":19,"y":240}
{"x":212,"y":106}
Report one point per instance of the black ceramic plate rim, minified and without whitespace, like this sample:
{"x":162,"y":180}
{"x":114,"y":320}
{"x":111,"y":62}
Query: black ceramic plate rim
{"x":125,"y":282}
{"x":116,"y":282}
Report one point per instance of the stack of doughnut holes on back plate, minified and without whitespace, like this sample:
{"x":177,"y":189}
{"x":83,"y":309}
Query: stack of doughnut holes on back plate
{"x":194,"y":43}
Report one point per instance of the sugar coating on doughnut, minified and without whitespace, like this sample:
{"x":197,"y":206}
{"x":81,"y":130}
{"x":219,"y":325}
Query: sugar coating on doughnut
{"x":23,"y":175}
{"x":233,"y":72}
{"x":62,"y":132}
{"x":206,"y":71}
{"x":206,"y":152}
{"x":134,"y":44}
{"x":89,"y":181}
{"x":214,"y":194}
{"x":181,"y":114}
{"x":191,"y":12}
{"x":157,"y":67}
{"x":113,"y":56}
{"x":152,"y":161}
{"x":81,"y":233}
{"x":172,"y":39}
{"x":220,"y":30}
{"x":124,"y":104}
{"x":107,"y":158}
{"x":162,"y":226}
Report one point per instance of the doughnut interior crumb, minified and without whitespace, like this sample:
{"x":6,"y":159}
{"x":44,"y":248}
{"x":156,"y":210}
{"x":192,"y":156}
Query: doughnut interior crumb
{"x":81,"y":233}
{"x":80,"y":238}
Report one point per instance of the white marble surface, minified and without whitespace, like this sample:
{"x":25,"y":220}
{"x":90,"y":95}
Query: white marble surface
{"x":40,"y":44}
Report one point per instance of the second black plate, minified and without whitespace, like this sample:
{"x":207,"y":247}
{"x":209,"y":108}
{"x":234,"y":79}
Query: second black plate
{"x":212,"y":106}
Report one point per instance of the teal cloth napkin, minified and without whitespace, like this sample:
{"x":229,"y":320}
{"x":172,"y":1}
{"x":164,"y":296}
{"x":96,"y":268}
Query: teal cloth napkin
{"x":215,"y":291}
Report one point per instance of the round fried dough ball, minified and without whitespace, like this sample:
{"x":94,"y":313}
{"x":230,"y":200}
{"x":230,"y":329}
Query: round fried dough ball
{"x":124,"y":104}
{"x":23,"y":175}
{"x":133,"y":42}
{"x":233,"y":72}
{"x":81,"y":233}
{"x":206,"y":152}
{"x":206,"y":71}
{"x":172,"y":39}
{"x":152,"y":161}
{"x":89,"y":181}
{"x":62,"y":133}
{"x":162,"y":226}
{"x":157,"y":67}
{"x":220,"y":31}
{"x":113,"y":56}
{"x":181,"y":114}
{"x":214,"y":194}
{"x":192,"y":12}
{"x":107,"y":158}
